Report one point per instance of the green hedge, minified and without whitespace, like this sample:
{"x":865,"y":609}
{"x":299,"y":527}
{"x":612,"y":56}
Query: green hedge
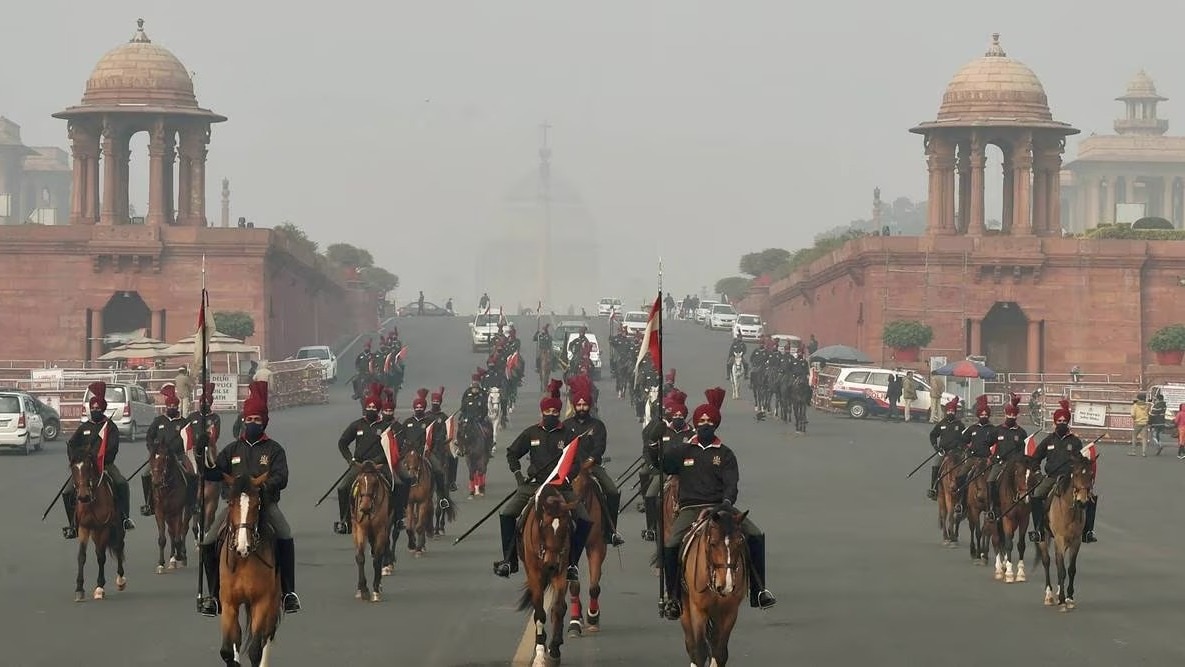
{"x":1125,"y":231}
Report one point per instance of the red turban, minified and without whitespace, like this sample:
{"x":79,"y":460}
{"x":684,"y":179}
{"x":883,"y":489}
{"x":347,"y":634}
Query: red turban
{"x":981,"y":406}
{"x":256,"y":403}
{"x":552,"y":400}
{"x":170,"y":394}
{"x":373,"y":398}
{"x":98,"y":400}
{"x":711,"y":409}
{"x":421,"y":399}
{"x":1012,"y":409}
{"x":1063,"y":412}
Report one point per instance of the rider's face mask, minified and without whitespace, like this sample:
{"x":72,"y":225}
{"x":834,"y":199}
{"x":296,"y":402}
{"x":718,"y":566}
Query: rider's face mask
{"x":551,"y":419}
{"x":388,"y":414}
{"x":253,"y":428}
{"x":983,"y":419}
{"x":98,"y":416}
{"x":435,"y":407}
{"x":678,"y":422}
{"x":1062,"y":428}
{"x":172,"y":412}
{"x":419,"y":411}
{"x":1010,"y":421}
{"x":706,"y":433}
{"x":370,"y":414}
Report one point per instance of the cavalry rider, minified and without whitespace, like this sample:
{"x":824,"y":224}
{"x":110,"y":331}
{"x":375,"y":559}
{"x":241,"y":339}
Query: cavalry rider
{"x":760,"y":353}
{"x":945,"y":437}
{"x":592,"y":447}
{"x":1009,"y":447}
{"x":363,"y":365}
{"x":1058,"y":450}
{"x":542,"y":339}
{"x":365,"y":434}
{"x":206,"y":411}
{"x":513,"y":344}
{"x":95,"y":437}
{"x":673,"y":428}
{"x":668,"y":384}
{"x":252,"y":454}
{"x":170,"y":429}
{"x":576,"y":349}
{"x":544,"y":443}
{"x":499,"y":339}
{"x":798,"y":364}
{"x":415,"y":437}
{"x":475,"y":402}
{"x":709,"y":475}
{"x":738,"y":347}
{"x":441,"y":454}
{"x":979,"y":437}
{"x":387,"y":422}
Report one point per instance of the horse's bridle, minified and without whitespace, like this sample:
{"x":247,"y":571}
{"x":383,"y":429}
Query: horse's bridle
{"x":713,"y":566}
{"x":567,"y":544}
{"x":358,"y":495}
{"x":170,"y":462}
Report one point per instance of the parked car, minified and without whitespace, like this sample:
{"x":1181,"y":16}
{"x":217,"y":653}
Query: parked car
{"x":482,"y":330}
{"x":608,"y":306}
{"x":704,"y":309}
{"x":323,"y":354}
{"x":861,"y":392}
{"x":722,"y":317}
{"x":51,"y":421}
{"x":20,"y":422}
{"x":748,"y":327}
{"x":430,"y":309}
{"x":128,"y":407}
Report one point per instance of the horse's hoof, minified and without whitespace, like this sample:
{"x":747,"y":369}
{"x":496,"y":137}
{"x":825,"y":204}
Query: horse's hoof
{"x":574,"y":628}
{"x":121,"y":582}
{"x":1063,"y":608}
{"x":172,"y":563}
{"x":388,"y":570}
{"x":419,"y":554}
{"x":160,"y":569}
{"x":358,"y":594}
{"x":1070,"y":604}
{"x":79,"y":597}
{"x":376,"y":597}
{"x":998,"y":576}
{"x":100,"y":593}
{"x":593,"y":628}
{"x":1009,"y":578}
{"x":1020,"y":577}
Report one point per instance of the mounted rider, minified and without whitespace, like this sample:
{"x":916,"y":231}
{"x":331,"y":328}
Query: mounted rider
{"x":391,"y":428}
{"x":672,"y":428}
{"x":797,"y":365}
{"x":945,"y":437}
{"x":738,"y":347}
{"x":441,"y":439}
{"x":542,"y":340}
{"x":1008,"y":448}
{"x":979,"y":437}
{"x":760,"y":352}
{"x":592,"y":447}
{"x":415,"y":438}
{"x":98,"y":438}
{"x":709,"y":475}
{"x":252,"y":454}
{"x":177,"y":435}
{"x":1058,"y":450}
{"x":366,"y":435}
{"x":576,"y":349}
{"x":544,"y":443}
{"x":475,"y":403}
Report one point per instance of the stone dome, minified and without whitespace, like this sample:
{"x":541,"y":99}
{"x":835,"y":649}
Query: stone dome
{"x":139,"y":73}
{"x":1141,"y":87}
{"x":994,"y":88}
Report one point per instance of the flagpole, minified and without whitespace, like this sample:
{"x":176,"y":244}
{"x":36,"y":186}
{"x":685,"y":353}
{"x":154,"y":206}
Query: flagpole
{"x":659,"y":539}
{"x":204,"y":433}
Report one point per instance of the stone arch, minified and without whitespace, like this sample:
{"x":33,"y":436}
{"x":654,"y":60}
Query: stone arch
{"x":1005,"y":338}
{"x":125,"y":313}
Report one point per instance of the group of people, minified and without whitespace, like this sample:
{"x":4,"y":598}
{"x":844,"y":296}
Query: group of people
{"x":385,"y":365}
{"x":1149,"y":420}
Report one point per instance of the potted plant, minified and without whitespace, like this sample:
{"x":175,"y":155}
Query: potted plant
{"x":1169,"y":344}
{"x":906,"y":337}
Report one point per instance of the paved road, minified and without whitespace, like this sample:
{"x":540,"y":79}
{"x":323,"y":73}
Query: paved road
{"x":853,"y":548}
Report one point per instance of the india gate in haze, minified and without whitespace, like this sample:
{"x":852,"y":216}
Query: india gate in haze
{"x":64,"y":289}
{"x":1027,"y":296}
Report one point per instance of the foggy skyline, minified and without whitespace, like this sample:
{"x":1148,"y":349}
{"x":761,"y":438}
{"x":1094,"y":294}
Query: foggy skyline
{"x":697,"y":130}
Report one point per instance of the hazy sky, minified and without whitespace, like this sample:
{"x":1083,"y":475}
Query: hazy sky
{"x":705,"y":128}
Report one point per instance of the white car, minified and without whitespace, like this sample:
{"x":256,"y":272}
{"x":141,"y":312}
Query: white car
{"x":482,"y":329}
{"x":704,"y":309}
{"x":861,"y":392}
{"x":594,"y":355}
{"x":20,"y":422}
{"x":722,"y":316}
{"x":634,"y":321}
{"x":748,"y":327}
{"x":608,"y":306}
{"x":322,"y":354}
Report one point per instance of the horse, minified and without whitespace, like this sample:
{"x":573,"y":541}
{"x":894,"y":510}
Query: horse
{"x":248,"y":575}
{"x":948,"y":498}
{"x":757,"y":385}
{"x":800,"y":397}
{"x":1065,"y":515}
{"x":735,"y":372}
{"x":418,"y":515}
{"x":543,"y":544}
{"x":370,"y":514}
{"x":585,"y":489}
{"x":544,"y":366}
{"x":171,"y":505}
{"x":1012,"y":487}
{"x":494,"y":409}
{"x":99,"y":522}
{"x":715,"y":581}
{"x":471,"y":440}
{"x":669,"y":507}
{"x":651,"y":402}
{"x":978,"y":504}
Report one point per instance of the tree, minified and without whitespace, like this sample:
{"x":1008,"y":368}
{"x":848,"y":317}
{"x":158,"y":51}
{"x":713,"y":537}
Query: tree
{"x":235,"y":324}
{"x":1152,"y":223}
{"x":378,"y":279}
{"x":763,"y":262}
{"x":348,"y":255}
{"x":297,"y":235}
{"x":734,"y":287}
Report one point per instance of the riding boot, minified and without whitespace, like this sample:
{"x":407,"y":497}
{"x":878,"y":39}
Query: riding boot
{"x":993,"y":500}
{"x":342,"y":526}
{"x":932,"y":492}
{"x":759,"y":595}
{"x":191,"y":492}
{"x":399,"y":506}
{"x":69,"y":502}
{"x":961,"y":485}
{"x":612,"y":506}
{"x":443,"y":501}
{"x":1092,"y":507}
{"x":576,"y":547}
{"x":123,"y":502}
{"x":509,"y":563}
{"x":146,"y":509}
{"x":671,"y":578}
{"x":210,"y":605}
{"x":286,"y":562}
{"x":1037,"y":509}
{"x":651,"y":505}
{"x":453,"y":465}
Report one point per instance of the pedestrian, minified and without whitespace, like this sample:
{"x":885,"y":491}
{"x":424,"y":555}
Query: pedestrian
{"x":183,"y":385}
{"x":909,"y":394}
{"x":937,"y":388}
{"x":892,"y":395}
{"x":1156,"y":420}
{"x":1140,"y":424}
{"x":420,"y":303}
{"x":1179,"y":420}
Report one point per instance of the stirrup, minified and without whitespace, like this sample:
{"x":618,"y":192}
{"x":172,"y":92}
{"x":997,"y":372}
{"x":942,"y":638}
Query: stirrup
{"x":291,"y":603}
{"x":209,"y":606}
{"x":127,"y":523}
{"x":504,"y":569}
{"x":673,"y":610}
{"x":573,"y":573}
{"x":146,"y":510}
{"x":648,"y":535}
{"x":69,"y":533}
{"x":616,"y":540}
{"x":444,"y":504}
{"x":765,"y":599}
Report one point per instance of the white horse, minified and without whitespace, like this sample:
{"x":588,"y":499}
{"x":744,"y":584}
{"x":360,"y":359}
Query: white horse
{"x":651,"y":399}
{"x":737,"y":372}
{"x":494,"y":412}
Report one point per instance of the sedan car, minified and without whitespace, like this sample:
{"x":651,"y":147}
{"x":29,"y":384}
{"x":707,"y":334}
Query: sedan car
{"x":748,"y":327}
{"x":430,"y":309}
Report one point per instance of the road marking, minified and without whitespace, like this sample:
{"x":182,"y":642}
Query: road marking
{"x":524,"y":655}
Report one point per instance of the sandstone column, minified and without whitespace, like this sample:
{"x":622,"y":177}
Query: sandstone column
{"x":1040,"y":199}
{"x":976,"y":337}
{"x":1053,"y":189}
{"x":1166,"y":198}
{"x":96,"y":341}
{"x":1108,"y":213}
{"x":1034,"y":346}
{"x":192,"y":196}
{"x":168,"y":160}
{"x":977,"y":225}
{"x":946,"y":173}
{"x":156,"y":175}
{"x":90,"y":209}
{"x":1022,"y":170}
{"x":1009,"y":196}
{"x":84,"y":147}
{"x":123,"y":151}
{"x":962,"y":218}
{"x":111,"y":174}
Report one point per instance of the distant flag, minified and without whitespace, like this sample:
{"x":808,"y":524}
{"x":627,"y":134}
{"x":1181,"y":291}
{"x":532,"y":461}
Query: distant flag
{"x":501,"y":317}
{"x":651,"y":337}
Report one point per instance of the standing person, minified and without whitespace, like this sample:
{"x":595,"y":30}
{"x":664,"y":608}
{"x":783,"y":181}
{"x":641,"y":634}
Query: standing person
{"x":937,"y":389}
{"x":183,"y":384}
{"x":909,"y":393}
{"x":892,"y":395}
{"x":1156,"y":420}
{"x":1179,"y":421}
{"x":1139,"y":425}
{"x":812,"y":346}
{"x":484,"y":304}
{"x":420,"y":304}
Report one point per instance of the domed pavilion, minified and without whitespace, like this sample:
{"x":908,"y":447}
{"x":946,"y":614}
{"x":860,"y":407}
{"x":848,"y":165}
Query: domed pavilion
{"x":994,"y":100}
{"x":137,"y":87}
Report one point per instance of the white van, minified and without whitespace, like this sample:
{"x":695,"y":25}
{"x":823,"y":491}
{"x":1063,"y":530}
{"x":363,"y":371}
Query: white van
{"x":861,"y":392}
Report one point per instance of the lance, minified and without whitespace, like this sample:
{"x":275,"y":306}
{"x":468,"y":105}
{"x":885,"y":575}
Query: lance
{"x":658,"y":543}
{"x":1030,"y":491}
{"x":927,"y":460}
{"x":633,"y":468}
{"x":633,"y":497}
{"x":486,"y":517}
{"x":55,"y":499}
{"x":333,"y":486}
{"x":202,"y":348}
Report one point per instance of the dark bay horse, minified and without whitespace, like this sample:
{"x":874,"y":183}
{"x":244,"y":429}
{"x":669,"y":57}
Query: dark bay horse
{"x":1065,"y":512}
{"x":715,"y":581}
{"x":1006,"y":529}
{"x":473,"y":443}
{"x":418,"y":515}
{"x":98,"y":522}
{"x":949,"y":499}
{"x":543,"y":544}
{"x":370,"y":514}
{"x":248,"y":576}
{"x":171,"y":506}
{"x":977,"y":506}
{"x":669,"y":507}
{"x":800,"y":399}
{"x":585,"y":489}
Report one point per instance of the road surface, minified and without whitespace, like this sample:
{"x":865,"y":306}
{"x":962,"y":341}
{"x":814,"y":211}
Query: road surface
{"x":853,"y":547}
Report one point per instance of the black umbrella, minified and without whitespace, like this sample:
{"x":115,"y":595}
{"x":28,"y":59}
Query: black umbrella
{"x":841,"y":354}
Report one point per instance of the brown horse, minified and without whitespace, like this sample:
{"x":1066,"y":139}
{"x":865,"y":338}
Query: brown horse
{"x":948,"y":498}
{"x":1004,"y":531}
{"x":171,"y":505}
{"x":543,"y":545}
{"x":585,"y":490}
{"x":715,"y":581}
{"x":473,"y":443}
{"x":544,"y":368}
{"x":1065,"y":515}
{"x":248,"y":576}
{"x":371,"y":521}
{"x":418,"y":515}
{"x":98,"y":522}
{"x":978,"y":504}
{"x":209,"y":492}
{"x":670,"y":510}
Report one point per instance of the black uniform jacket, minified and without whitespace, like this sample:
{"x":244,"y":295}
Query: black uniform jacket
{"x":168,"y":431}
{"x":240,"y":457}
{"x":88,"y":436}
{"x":542,"y":446}
{"x":1010,"y":442}
{"x":474,"y":402}
{"x":980,"y":438}
{"x":365,"y":437}
{"x":708,"y":474}
{"x":1057,"y":451}
{"x":213,"y":424}
{"x":947,"y":435}
{"x":414,"y":434}
{"x":661,"y":435}
{"x":592,"y":446}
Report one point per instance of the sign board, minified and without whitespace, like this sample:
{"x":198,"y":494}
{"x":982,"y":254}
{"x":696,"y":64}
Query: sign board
{"x":1128,"y":213}
{"x":936,"y":363}
{"x":226,"y":391}
{"x":46,"y":378}
{"x":52,"y":400}
{"x":1090,"y":414}
{"x":995,"y":399}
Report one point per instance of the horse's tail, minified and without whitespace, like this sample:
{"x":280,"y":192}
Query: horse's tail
{"x":654,"y":556}
{"x":524,"y":600}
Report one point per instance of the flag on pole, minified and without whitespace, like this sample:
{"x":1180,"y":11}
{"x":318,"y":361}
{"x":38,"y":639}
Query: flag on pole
{"x":651,"y":337}
{"x":390,"y":449}
{"x":201,"y":339}
{"x":100,"y":460}
{"x":560,"y":473}
{"x":189,"y":444}
{"x":1031,"y":446}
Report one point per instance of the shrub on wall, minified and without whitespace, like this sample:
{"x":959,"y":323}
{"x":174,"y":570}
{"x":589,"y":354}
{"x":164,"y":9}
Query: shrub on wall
{"x":1168,"y":339}
{"x":902,"y":334}
{"x":1128,"y":233}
